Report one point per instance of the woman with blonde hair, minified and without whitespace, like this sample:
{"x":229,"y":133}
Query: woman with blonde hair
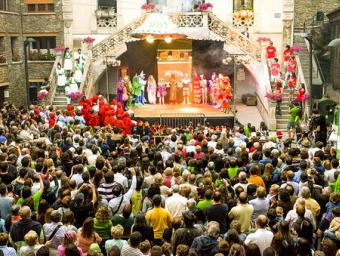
{"x":117,"y":233}
{"x":32,"y":244}
{"x":151,"y":89}
{"x":103,"y":223}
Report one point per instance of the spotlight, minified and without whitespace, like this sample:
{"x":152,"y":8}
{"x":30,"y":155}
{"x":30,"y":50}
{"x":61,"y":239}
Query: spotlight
{"x":168,"y":39}
{"x":150,"y":39}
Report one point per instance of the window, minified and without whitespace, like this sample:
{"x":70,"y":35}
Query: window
{"x":15,"y":48}
{"x":40,"y":5}
{"x":44,"y":43}
{"x":4,"y":5}
{"x":246,"y":4}
{"x":2,"y":50}
{"x":107,"y":3}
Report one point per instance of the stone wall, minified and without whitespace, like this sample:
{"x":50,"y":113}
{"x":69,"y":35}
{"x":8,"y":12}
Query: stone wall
{"x":3,"y":73}
{"x":38,"y":70}
{"x":17,"y":87}
{"x":306,"y":9}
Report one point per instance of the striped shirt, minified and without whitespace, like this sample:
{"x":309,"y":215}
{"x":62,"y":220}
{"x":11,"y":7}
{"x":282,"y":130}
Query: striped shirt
{"x":105,"y":191}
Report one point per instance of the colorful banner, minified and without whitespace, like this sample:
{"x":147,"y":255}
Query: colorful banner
{"x":181,"y":69}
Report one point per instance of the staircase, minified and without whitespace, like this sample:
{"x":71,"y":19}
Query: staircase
{"x":60,"y":100}
{"x":53,"y":81}
{"x":282,"y":120}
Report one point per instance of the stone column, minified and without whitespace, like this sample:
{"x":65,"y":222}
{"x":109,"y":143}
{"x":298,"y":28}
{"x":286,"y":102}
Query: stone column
{"x":68,"y":19}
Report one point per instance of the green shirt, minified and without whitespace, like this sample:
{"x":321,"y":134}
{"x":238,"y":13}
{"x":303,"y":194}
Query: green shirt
{"x":204,"y":203}
{"x":36,"y":199}
{"x":103,"y":228}
{"x":232,"y":171}
{"x":293,"y":113}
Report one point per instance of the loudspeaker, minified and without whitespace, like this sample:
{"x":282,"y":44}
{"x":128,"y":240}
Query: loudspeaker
{"x":317,"y":91}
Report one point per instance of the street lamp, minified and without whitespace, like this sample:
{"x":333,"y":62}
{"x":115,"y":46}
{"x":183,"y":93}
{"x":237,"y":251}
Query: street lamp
{"x":27,"y":42}
{"x":236,"y":60}
{"x":110,"y":61}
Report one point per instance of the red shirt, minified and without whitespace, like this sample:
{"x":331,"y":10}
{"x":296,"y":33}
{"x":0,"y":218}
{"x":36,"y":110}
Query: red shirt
{"x":275,"y":68}
{"x":292,"y":82}
{"x":292,"y":66}
{"x":271,"y":52}
{"x":287,"y":54}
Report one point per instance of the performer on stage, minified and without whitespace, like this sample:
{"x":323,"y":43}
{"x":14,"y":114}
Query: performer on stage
{"x":136,"y":90}
{"x":214,"y":89}
{"x":142,"y":81}
{"x":128,"y":87}
{"x":204,"y":88}
{"x":225,"y":92}
{"x":80,"y":57}
{"x":161,"y":91}
{"x":120,"y":93}
{"x":78,"y":72}
{"x":173,"y":89}
{"x":197,"y":89}
{"x":186,"y":81}
{"x":151,"y":89}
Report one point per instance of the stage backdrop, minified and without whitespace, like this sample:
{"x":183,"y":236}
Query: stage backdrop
{"x":179,"y":68}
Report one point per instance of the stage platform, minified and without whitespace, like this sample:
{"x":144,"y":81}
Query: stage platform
{"x":197,"y":112}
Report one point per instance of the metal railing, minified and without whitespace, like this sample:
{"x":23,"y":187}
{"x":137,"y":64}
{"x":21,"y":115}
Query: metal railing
{"x":181,"y":119}
{"x":53,"y":81}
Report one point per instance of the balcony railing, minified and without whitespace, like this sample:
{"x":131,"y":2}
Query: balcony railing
{"x":106,"y":17}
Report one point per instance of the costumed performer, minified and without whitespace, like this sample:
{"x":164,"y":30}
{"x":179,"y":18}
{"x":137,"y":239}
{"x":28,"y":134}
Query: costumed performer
{"x":151,"y":89}
{"x":196,"y":84}
{"x":68,"y":65}
{"x":136,"y":90}
{"x":72,"y":88}
{"x":78,"y":72}
{"x":142,"y":81}
{"x":173,"y":89}
{"x":225,"y":94}
{"x":161,"y":91}
{"x":204,"y":87}
{"x":128,"y":88}
{"x":80,"y":57}
{"x":61,"y":80}
{"x":120,"y":93}
{"x":214,"y":89}
{"x":186,"y":81}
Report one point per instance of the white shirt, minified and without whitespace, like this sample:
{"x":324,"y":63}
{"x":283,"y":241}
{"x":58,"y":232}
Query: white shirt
{"x":329,"y":175}
{"x":114,"y":202}
{"x":121,"y":179}
{"x":176,"y":205}
{"x":262,"y":238}
{"x":78,"y":178}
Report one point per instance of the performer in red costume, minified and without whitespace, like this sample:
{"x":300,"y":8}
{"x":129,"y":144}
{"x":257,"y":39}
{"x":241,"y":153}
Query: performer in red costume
{"x":70,"y":109}
{"x":271,"y":53}
{"x":225,"y":93}
{"x":52,"y":120}
{"x":196,"y":84}
{"x":128,"y":124}
{"x":287,"y":54}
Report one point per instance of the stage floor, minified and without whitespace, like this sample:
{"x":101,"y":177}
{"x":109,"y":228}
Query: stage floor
{"x":155,"y":110}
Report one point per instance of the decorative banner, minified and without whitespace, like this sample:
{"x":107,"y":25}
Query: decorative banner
{"x":179,"y":68}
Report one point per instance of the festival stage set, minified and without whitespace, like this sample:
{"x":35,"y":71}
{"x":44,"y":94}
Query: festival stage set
{"x":191,"y":72}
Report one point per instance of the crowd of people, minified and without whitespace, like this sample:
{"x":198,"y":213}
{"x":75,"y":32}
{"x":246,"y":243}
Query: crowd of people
{"x":79,"y":182}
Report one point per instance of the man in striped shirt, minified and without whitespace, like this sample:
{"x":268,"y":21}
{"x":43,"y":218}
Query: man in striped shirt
{"x":105,"y":189}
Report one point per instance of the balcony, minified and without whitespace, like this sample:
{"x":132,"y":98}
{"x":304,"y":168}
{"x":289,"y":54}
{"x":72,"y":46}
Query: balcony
{"x":106,"y":17}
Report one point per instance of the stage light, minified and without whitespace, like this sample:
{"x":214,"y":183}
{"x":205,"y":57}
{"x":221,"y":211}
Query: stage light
{"x":150,"y":39}
{"x":168,"y":39}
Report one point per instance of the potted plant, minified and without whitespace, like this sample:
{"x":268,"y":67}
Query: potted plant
{"x":204,"y":7}
{"x":42,"y":95}
{"x":148,"y":7}
{"x":75,"y":96}
{"x":89,"y":42}
{"x":59,"y":50}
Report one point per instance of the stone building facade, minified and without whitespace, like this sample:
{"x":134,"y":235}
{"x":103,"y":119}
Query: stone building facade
{"x":334,"y":20}
{"x":40,"y":20}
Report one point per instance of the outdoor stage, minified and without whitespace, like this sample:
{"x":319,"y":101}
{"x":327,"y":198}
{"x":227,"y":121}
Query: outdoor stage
{"x":183,"y":113}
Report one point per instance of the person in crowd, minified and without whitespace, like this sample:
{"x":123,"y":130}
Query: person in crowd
{"x":92,"y":187}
